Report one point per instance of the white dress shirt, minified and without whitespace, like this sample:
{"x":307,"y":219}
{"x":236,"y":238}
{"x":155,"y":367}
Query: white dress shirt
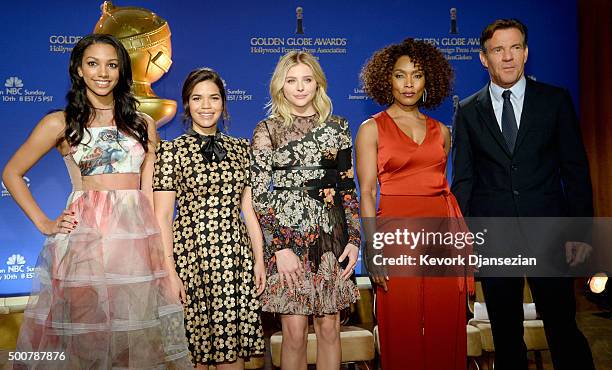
{"x":517,"y":97}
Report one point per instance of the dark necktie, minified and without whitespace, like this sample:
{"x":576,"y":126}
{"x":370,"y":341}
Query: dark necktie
{"x":509,"y":126}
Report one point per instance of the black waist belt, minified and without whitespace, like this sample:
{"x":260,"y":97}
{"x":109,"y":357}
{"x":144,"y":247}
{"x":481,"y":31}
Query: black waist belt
{"x":300,"y":168}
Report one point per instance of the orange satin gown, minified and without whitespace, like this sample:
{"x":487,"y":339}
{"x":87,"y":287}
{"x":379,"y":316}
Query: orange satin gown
{"x":421,"y":320}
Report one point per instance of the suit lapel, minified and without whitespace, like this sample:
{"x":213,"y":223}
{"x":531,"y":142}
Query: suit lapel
{"x":485,"y":110}
{"x":527,"y":115}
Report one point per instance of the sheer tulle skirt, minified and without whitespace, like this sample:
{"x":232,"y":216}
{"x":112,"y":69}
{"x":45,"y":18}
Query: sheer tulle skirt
{"x":101,"y":294}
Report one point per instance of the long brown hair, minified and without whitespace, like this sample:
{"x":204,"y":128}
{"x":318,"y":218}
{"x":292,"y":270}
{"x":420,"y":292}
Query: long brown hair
{"x":79,"y":111}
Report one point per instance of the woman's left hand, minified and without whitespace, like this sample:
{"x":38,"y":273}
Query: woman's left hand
{"x":352,"y":252}
{"x":260,"y":276}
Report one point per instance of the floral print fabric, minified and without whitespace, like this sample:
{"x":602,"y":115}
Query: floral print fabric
{"x":211,"y":246}
{"x":305,"y":198}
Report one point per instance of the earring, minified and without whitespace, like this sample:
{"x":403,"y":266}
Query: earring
{"x":424,"y":95}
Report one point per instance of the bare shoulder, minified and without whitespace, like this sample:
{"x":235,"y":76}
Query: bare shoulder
{"x":51,"y":130}
{"x":54,"y":122}
{"x":145,"y":116}
{"x":151,"y":127}
{"x":445,"y":130}
{"x":368,"y":128}
{"x":148,"y":119}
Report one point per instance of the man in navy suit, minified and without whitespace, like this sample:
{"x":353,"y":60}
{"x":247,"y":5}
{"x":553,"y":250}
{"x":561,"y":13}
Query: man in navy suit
{"x":518,"y":152}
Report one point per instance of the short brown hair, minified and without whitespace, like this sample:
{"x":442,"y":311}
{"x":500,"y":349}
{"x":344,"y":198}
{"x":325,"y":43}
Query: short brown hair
{"x":376,"y":74}
{"x":502,"y":24}
{"x":195,"y":77}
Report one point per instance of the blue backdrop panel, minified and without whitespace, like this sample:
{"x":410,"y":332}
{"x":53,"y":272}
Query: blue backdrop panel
{"x":243,"y":41}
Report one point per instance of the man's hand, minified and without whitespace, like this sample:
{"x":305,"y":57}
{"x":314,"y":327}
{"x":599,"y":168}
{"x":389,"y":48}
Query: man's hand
{"x":577,"y":252}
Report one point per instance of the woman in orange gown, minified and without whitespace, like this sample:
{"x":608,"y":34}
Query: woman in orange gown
{"x":421,"y":320}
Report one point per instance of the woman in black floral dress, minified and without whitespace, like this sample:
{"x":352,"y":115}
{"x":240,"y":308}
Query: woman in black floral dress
{"x":219,"y":260}
{"x":305,"y":199}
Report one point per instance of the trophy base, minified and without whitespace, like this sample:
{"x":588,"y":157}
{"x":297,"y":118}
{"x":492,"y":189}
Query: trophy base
{"x":161,"y":110}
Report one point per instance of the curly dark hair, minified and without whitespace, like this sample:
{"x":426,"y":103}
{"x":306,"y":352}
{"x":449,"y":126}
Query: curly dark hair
{"x":376,"y":73}
{"x":79,"y":110}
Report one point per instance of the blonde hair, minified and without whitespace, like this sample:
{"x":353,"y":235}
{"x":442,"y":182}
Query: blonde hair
{"x":279,"y":106}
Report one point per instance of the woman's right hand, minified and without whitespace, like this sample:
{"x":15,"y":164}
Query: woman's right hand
{"x":380,"y":280}
{"x":63,"y":224}
{"x":177,"y":288}
{"x":289,"y":268}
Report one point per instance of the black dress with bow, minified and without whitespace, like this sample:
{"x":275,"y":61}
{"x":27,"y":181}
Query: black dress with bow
{"x":212,"y":249}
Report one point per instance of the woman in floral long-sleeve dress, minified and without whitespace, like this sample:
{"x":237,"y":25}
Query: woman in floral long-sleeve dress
{"x":304,"y":195}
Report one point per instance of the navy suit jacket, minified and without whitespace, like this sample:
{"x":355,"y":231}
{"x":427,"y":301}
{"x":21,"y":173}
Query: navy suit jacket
{"x":548,"y":172}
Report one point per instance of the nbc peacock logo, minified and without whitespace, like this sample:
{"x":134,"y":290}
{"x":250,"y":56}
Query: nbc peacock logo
{"x":16,"y":259}
{"x":15,"y":91}
{"x":15,"y":264}
{"x":13,"y":81}
{"x":13,"y":86}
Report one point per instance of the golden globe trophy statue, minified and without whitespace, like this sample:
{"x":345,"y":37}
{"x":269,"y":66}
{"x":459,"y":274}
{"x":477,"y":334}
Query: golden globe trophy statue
{"x":299,"y":17}
{"x":146,"y":36}
{"x":455,"y":103}
{"x":453,"y":21}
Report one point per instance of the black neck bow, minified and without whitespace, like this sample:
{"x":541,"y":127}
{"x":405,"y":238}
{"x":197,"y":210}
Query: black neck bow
{"x":211,"y":148}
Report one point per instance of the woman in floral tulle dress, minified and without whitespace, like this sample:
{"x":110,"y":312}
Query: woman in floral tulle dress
{"x":101,"y":296}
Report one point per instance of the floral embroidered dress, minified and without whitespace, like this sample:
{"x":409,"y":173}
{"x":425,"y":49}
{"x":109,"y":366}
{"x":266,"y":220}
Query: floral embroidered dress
{"x":304,"y":195}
